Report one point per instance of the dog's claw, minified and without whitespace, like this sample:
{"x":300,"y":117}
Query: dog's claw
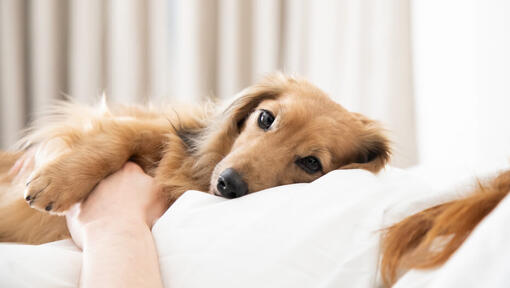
{"x":49,"y":206}
{"x":50,"y":190}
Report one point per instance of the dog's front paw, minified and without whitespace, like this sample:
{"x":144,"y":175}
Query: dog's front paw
{"x":55,"y":187}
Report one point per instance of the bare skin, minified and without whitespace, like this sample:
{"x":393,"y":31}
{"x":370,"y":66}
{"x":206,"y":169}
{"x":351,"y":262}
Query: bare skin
{"x":113,"y":228}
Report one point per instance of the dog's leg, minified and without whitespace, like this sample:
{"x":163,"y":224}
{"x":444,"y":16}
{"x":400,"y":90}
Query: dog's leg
{"x":56,"y":185}
{"x":18,"y":222}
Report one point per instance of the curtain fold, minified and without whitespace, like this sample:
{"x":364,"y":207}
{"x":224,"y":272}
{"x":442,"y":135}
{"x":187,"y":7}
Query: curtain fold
{"x":13,"y":70}
{"x":140,"y":51}
{"x":86,"y":49}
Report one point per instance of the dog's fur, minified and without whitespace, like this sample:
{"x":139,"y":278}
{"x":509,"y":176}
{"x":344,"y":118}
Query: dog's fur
{"x":77,"y":146}
{"x":412,"y":242}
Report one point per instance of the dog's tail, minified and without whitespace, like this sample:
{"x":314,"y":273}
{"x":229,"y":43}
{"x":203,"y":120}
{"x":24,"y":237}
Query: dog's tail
{"x":428,"y":238}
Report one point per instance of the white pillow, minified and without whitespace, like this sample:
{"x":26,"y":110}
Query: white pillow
{"x":55,"y":264}
{"x":323,"y":234}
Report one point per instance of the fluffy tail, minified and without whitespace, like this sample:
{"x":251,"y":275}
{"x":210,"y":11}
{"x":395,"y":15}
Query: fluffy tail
{"x":428,"y":238}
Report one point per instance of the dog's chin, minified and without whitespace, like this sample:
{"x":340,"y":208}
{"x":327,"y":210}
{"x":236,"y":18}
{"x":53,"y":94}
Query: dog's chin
{"x":213,"y":191}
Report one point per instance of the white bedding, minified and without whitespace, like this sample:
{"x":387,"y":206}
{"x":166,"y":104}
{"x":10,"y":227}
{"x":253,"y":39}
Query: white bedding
{"x":323,"y":234}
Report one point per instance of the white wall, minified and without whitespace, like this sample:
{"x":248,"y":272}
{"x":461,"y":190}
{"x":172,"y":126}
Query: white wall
{"x":462,"y":82}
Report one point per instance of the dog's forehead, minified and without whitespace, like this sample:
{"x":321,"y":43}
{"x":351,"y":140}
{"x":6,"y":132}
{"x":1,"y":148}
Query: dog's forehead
{"x":312,"y":106}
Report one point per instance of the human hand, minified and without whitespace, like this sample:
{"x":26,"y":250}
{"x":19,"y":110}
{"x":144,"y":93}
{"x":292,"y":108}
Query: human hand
{"x":23,"y":165}
{"x":121,"y":201}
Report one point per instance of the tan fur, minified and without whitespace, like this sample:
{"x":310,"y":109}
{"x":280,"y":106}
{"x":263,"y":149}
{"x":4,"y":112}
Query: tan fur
{"x":78,"y":146}
{"x":413,"y":242}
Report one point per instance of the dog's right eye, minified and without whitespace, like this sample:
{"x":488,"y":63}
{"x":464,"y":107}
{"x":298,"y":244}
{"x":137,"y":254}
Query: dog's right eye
{"x":310,"y":164}
{"x":266,"y":119}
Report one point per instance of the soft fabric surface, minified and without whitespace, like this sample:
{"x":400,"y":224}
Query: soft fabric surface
{"x":323,"y":234}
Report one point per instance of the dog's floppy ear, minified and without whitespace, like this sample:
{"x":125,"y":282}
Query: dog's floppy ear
{"x":227,"y":126}
{"x":237,"y":112}
{"x":248,"y":99}
{"x":373,"y":151}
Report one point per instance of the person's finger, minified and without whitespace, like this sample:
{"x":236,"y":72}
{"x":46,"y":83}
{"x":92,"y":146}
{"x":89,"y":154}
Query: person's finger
{"x":22,"y":165}
{"x":73,"y":211}
{"x":132,"y":167}
{"x":16,"y":167}
{"x":28,"y":164}
{"x":73,"y":224}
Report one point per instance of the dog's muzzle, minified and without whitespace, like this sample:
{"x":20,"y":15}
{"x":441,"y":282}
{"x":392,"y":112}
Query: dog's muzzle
{"x":231,"y":184}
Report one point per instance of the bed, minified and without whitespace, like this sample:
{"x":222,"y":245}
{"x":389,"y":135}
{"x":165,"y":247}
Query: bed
{"x":322,"y":234}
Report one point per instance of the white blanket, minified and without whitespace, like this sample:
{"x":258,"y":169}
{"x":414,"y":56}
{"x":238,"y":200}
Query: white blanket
{"x":323,"y":234}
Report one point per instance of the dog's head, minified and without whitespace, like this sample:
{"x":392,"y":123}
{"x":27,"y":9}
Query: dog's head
{"x":284,"y":131}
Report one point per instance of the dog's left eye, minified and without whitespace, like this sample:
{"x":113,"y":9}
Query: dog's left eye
{"x":310,"y":164}
{"x":266,"y":119}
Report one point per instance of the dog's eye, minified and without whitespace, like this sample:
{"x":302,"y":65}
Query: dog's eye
{"x":310,"y":164}
{"x":266,"y":119}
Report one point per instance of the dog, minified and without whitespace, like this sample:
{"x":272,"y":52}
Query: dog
{"x":411,"y":243}
{"x":279,"y":131}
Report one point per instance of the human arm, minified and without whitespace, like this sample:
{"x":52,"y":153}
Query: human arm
{"x":113,"y":228}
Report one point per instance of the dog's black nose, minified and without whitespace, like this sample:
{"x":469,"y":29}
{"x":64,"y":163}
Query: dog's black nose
{"x":231,"y":184}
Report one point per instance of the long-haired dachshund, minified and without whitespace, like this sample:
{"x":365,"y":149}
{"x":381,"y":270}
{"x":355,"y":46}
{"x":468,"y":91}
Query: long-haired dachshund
{"x":280,"y":131}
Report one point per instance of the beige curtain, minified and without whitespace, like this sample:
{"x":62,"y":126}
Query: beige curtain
{"x":136,"y":51}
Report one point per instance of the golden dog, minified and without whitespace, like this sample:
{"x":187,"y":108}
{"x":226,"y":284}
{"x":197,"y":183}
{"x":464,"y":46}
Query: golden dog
{"x":280,"y":131}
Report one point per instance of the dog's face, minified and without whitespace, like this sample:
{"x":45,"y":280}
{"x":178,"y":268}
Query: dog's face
{"x":293,"y":133}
